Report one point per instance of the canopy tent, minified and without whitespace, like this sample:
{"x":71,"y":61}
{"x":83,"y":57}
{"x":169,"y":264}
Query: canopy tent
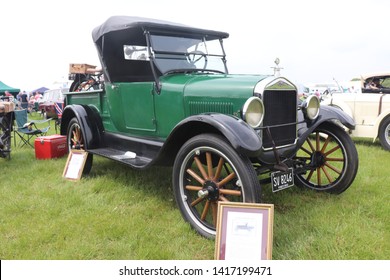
{"x":41,"y":90}
{"x":4,"y":88}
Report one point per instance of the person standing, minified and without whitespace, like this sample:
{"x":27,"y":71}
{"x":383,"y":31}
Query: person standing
{"x":7,"y":96}
{"x":24,"y":100}
{"x":37,"y":96}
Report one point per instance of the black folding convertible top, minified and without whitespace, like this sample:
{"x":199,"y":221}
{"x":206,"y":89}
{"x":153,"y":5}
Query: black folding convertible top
{"x":117,"y":23}
{"x":119,"y":31}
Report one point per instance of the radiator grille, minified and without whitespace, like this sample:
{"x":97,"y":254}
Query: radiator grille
{"x":280,"y":108}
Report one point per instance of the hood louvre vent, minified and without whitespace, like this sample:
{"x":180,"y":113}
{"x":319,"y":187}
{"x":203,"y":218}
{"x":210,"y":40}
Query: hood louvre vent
{"x":199,"y":107}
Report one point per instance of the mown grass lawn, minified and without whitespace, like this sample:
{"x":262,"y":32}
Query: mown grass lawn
{"x":118,"y":213}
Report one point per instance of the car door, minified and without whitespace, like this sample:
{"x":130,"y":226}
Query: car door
{"x":131,"y":107}
{"x":367,"y":108}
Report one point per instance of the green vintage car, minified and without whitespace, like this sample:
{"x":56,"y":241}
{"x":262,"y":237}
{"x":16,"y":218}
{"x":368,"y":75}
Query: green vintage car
{"x":168,"y":99}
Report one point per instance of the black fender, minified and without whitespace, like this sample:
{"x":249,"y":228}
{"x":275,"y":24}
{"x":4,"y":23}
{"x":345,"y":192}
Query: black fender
{"x":329,"y":112}
{"x":238,"y":133}
{"x":89,"y":120}
{"x":326,"y":114}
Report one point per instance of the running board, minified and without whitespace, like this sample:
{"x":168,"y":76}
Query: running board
{"x":125,"y":157}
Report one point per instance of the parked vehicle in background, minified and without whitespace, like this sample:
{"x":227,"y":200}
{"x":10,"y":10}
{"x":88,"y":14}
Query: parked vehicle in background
{"x":168,"y":99}
{"x":319,"y":89}
{"x":369,"y":107}
{"x":50,"y":97}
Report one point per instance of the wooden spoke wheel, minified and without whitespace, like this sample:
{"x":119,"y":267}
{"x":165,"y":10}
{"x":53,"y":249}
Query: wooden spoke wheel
{"x":86,"y":85}
{"x":329,"y":158}
{"x":207,"y":170}
{"x":75,"y":141}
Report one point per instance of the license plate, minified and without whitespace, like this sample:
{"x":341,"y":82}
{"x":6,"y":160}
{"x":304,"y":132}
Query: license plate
{"x":281,"y":180}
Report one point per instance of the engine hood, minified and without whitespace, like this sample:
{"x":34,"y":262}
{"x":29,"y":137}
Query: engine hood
{"x":212,"y":93}
{"x":214,"y":86}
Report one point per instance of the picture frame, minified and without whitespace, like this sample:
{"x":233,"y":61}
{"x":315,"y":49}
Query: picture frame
{"x":75,"y":165}
{"x":244,"y":231}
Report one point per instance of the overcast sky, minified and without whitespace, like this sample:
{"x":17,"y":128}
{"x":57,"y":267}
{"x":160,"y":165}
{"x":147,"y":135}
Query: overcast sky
{"x":315,"y":41}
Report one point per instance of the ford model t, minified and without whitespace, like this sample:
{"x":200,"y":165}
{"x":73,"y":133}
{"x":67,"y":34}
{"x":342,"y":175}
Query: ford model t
{"x":168,"y":99}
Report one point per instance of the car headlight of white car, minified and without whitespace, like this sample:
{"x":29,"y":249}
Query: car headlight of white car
{"x":253,"y":111}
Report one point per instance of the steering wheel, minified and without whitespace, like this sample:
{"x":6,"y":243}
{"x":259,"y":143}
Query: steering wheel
{"x":195,"y":56}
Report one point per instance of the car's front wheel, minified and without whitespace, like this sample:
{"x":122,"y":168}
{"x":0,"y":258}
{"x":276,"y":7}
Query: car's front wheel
{"x":329,"y":160}
{"x":384,"y":133}
{"x":207,"y":170}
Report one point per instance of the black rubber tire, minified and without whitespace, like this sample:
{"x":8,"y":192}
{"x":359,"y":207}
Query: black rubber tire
{"x":207,"y":150}
{"x":333,"y":158}
{"x":384,"y":133}
{"x":74,"y":139}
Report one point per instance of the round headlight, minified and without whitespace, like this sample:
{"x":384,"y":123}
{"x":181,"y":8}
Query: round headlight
{"x":253,"y":111}
{"x":312,"y":107}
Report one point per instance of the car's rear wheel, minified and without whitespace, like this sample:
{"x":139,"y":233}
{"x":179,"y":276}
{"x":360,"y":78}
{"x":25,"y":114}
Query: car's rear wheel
{"x":329,"y":159}
{"x":75,"y":141}
{"x":207,"y":170}
{"x":384,"y":133}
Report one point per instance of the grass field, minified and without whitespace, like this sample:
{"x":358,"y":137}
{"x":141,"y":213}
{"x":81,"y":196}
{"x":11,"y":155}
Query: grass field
{"x":118,"y":213}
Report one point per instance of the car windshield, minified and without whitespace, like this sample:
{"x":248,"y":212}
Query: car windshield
{"x":173,"y":53}
{"x":53,"y":95}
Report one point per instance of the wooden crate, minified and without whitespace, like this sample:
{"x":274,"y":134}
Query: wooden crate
{"x":6,"y":107}
{"x":77,"y":68}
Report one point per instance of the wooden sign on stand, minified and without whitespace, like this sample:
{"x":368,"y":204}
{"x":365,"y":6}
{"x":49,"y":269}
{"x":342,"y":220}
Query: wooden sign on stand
{"x":244,"y":231}
{"x":75,"y":165}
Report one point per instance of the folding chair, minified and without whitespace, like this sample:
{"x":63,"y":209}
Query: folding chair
{"x":26,"y":129}
{"x":34,"y":108}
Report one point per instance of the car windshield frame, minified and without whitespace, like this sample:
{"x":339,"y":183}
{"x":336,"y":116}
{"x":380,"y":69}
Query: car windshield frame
{"x":187,"y":53}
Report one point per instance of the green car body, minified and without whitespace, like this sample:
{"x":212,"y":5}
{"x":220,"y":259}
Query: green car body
{"x":167,"y":98}
{"x":145,"y":113}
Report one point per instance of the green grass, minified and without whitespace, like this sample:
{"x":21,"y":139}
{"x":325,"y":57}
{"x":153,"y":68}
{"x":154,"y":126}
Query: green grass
{"x":120,"y":213}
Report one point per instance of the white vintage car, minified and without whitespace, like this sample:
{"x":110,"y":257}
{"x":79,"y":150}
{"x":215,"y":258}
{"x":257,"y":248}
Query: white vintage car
{"x":369,"y":107}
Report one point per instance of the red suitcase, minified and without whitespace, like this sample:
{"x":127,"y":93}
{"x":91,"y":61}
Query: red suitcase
{"x":53,"y":146}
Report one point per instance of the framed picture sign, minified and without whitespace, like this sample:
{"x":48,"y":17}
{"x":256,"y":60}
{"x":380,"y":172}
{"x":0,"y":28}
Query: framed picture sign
{"x":75,"y":165}
{"x":244,"y":231}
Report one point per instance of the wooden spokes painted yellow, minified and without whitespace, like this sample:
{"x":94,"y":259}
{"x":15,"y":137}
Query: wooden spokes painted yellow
{"x":77,"y":138}
{"x":326,"y":159}
{"x":217,"y":177}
